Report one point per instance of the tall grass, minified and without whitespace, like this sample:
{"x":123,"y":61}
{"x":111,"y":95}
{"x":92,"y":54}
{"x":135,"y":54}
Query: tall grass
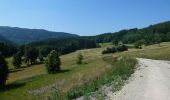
{"x":121,"y":68}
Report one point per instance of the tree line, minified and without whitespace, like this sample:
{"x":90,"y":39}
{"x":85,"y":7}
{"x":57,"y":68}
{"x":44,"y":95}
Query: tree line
{"x":64,"y":45}
{"x":7,"y":50}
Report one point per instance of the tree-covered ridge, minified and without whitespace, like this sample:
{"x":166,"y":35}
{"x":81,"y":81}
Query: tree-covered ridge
{"x":24,"y":35}
{"x":4,"y":40}
{"x":152,"y":34}
{"x":7,"y":49}
{"x":64,"y":45}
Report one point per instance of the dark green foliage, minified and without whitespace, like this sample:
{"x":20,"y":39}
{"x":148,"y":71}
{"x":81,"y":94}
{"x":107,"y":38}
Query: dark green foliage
{"x":119,"y":48}
{"x":53,"y":62}
{"x":158,"y":38}
{"x":64,"y":45}
{"x":3,"y":71}
{"x":7,"y":50}
{"x":41,"y":58}
{"x":122,"y":48}
{"x":115,"y":42}
{"x":109,"y":50}
{"x":168,"y":36}
{"x":152,"y":34}
{"x":30,"y":55}
{"x":17,"y":60}
{"x":138,"y":44}
{"x":79,"y":58}
{"x":21,"y":49}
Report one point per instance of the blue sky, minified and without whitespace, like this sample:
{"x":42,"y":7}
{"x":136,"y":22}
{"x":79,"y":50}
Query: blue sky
{"x":83,"y":17}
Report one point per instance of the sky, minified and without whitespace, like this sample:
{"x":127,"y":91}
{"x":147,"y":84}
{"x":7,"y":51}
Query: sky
{"x":83,"y":17}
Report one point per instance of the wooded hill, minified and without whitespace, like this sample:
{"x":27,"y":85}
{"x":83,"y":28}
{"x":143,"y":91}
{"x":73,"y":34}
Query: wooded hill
{"x":4,"y":40}
{"x":150,"y":35}
{"x":25,"y":35}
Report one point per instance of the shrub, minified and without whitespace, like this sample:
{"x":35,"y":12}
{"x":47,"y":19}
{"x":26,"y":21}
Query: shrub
{"x":138,"y":44}
{"x":122,"y":48}
{"x":3,"y":71}
{"x":79,"y":58}
{"x":115,"y":49}
{"x":53,"y":62}
{"x":109,"y":50}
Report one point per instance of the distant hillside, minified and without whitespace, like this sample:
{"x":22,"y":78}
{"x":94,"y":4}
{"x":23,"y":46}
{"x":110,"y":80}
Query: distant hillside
{"x":152,"y":34}
{"x":24,"y":35}
{"x":3,"y":40}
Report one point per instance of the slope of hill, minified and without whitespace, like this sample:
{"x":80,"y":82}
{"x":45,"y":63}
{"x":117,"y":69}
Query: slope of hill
{"x":152,"y":34}
{"x":24,"y":35}
{"x":3,"y":40}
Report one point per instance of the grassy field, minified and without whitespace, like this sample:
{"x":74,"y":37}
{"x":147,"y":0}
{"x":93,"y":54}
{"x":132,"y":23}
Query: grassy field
{"x":33,"y":82}
{"x":24,"y":83}
{"x":157,"y":52}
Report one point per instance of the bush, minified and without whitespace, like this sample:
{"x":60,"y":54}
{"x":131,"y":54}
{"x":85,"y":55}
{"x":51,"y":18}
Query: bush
{"x":122,"y":48}
{"x":115,"y":49}
{"x":109,"y":50}
{"x":3,"y":71}
{"x":138,"y":44}
{"x":53,"y":62}
{"x":79,"y":58}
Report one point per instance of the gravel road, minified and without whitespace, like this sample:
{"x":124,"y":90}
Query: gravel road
{"x":151,"y":81}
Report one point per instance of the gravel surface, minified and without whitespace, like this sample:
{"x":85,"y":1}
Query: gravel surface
{"x":151,"y":81}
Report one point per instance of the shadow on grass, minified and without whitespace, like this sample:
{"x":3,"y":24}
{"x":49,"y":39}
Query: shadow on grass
{"x":12,"y":86}
{"x":15,"y":70}
{"x":63,"y":71}
{"x":31,"y":65}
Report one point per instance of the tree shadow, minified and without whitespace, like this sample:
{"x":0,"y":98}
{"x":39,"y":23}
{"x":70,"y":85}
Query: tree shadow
{"x":12,"y":86}
{"x":64,"y":71}
{"x":15,"y":70}
{"x":31,"y":65}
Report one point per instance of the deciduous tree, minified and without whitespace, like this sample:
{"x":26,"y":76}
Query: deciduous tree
{"x":53,"y":62}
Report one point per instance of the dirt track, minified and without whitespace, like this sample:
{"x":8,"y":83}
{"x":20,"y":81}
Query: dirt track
{"x":151,"y":81}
